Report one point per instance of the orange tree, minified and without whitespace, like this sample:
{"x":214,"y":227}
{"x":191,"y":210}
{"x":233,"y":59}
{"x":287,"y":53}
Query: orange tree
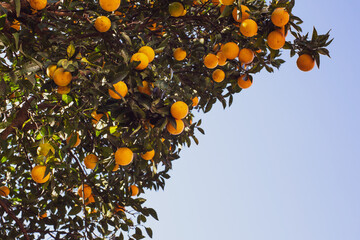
{"x":97,"y":98}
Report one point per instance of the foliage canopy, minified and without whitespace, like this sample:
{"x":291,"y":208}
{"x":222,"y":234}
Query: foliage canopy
{"x":81,"y":96}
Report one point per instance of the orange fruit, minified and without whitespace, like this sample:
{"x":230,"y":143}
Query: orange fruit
{"x":134,"y":190}
{"x":102,"y":24}
{"x":211,"y":61}
{"x":305,"y":62}
{"x":78,"y":141}
{"x":275,"y":40}
{"x":62,"y":78}
{"x":142,"y":58}
{"x":179,"y":110}
{"x":244,"y":13}
{"x":244,"y":82}
{"x":218,"y":75}
{"x":179,"y":54}
{"x":116,"y":167}
{"x":179,"y":127}
{"x":222,"y":7}
{"x":42,"y":216}
{"x":63,"y":90}
{"x":123,"y":156}
{"x":90,"y":161}
{"x":109,"y":5}
{"x":280,"y":17}
{"x":44,"y":149}
{"x":215,"y":2}
{"x":176,"y":9}
{"x":38,"y":174}
{"x":282,"y":31}
{"x":84,"y":193}
{"x":16,"y":25}
{"x":148,"y":51}
{"x":96,"y":117}
{"x":90,"y":199}
{"x":4,"y":191}
{"x":246,"y":56}
{"x":148,"y":155}
{"x":195,"y":101}
{"x":145,"y":88}
{"x":227,"y":2}
{"x":38,"y":4}
{"x":121,"y":90}
{"x":222,"y":58}
{"x":230,"y":50}
{"x":50,"y":70}
{"x":248,"y":28}
{"x":119,"y":207}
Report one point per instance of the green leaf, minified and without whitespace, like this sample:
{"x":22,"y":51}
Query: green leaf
{"x":17,"y":7}
{"x":70,"y":50}
{"x":75,"y":210}
{"x":149,"y":232}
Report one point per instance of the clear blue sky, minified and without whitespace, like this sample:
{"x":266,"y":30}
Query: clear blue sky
{"x":284,"y":161}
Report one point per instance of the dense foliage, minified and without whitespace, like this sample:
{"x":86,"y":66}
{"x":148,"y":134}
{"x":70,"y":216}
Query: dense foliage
{"x":47,"y":122}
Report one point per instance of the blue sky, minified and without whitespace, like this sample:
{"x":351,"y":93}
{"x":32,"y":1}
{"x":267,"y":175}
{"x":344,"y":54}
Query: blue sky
{"x":283,"y":161}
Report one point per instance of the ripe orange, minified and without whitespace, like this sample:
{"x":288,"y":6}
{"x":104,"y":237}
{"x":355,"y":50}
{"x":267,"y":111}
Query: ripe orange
{"x":142,"y":58}
{"x":222,"y":7}
{"x":63,"y":90}
{"x":148,"y":155}
{"x":179,"y":110}
{"x":218,"y":75}
{"x":90,"y":199}
{"x":227,"y":2}
{"x":275,"y":40}
{"x":134,"y":190}
{"x":305,"y":62}
{"x":119,"y":207}
{"x":148,"y":51}
{"x":102,"y":24}
{"x":244,"y":13}
{"x":121,"y":90}
{"x":179,"y":54}
{"x":84,"y":193}
{"x":109,"y":5}
{"x":176,"y":9}
{"x":211,"y":61}
{"x":246,"y":56}
{"x":4,"y":191}
{"x":195,"y":101}
{"x":38,"y":4}
{"x":62,"y":78}
{"x":248,"y":28}
{"x":145,"y":88}
{"x":222,"y":58}
{"x":123,"y":156}
{"x":244,"y":82}
{"x":50,"y":70}
{"x":96,"y":117}
{"x":78,"y":141}
{"x":179,"y":127}
{"x":215,"y":2}
{"x":116,"y":167}
{"x":90,"y":161}
{"x":230,"y":50}
{"x":42,"y":216}
{"x":38,"y":174}
{"x":16,"y":25}
{"x":280,"y":17}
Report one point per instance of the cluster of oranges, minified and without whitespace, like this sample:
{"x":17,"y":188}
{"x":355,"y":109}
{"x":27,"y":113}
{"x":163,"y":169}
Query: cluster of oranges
{"x":213,"y":61}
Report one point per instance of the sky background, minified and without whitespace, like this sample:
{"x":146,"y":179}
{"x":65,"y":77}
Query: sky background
{"x":283,"y":161}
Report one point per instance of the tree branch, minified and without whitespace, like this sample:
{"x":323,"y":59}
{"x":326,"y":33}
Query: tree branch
{"x":12,"y":215}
